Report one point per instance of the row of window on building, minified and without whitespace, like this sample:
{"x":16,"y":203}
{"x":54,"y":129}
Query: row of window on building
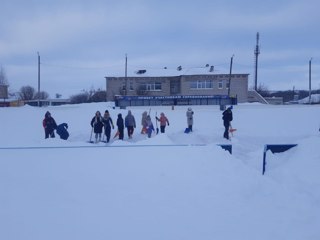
{"x":199,"y":84}
{"x":208,"y":84}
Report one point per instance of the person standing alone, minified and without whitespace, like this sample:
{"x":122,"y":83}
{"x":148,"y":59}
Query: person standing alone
{"x":49,"y":125}
{"x":227,"y":118}
{"x":189,"y":115}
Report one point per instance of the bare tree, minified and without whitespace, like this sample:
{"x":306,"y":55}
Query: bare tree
{"x":43,"y":95}
{"x":27,"y":93}
{"x":79,"y":98}
{"x":263,"y":90}
{"x":98,"y":96}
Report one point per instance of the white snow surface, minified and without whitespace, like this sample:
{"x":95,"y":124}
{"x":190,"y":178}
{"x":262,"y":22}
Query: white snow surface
{"x":169,"y":187}
{"x":314,"y":98}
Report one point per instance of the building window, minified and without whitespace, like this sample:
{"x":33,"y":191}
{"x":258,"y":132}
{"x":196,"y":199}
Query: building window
{"x":220,"y":84}
{"x":131,"y":86}
{"x":201,"y":84}
{"x":227,"y":84}
{"x":151,"y":86}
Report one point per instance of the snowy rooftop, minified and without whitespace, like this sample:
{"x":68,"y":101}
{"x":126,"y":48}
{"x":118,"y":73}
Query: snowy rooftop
{"x":165,"y":71}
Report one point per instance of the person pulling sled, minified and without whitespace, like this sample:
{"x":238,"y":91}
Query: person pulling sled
{"x":120,"y":125}
{"x":227,"y":118}
{"x":144,"y":122}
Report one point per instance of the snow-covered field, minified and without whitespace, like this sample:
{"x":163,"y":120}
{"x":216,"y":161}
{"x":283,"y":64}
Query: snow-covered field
{"x":172,"y":186}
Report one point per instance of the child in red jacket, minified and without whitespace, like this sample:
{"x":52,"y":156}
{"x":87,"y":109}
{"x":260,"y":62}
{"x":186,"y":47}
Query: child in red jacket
{"x":163,"y":122}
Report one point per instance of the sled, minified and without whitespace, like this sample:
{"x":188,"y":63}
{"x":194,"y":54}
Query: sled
{"x":232,"y":130}
{"x":143,"y":130}
{"x":117,"y":134}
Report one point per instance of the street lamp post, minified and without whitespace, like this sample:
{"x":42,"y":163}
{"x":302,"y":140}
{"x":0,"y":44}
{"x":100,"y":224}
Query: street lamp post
{"x":310,"y":81}
{"x":38,"y":79}
{"x":126,"y":76}
{"x":106,"y":88}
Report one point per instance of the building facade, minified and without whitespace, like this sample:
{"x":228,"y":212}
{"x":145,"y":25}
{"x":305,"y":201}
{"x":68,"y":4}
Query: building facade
{"x":183,"y":85}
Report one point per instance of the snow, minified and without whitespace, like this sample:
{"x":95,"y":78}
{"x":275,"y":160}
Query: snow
{"x":171,"y":186}
{"x":314,"y":98}
{"x":168,"y":72}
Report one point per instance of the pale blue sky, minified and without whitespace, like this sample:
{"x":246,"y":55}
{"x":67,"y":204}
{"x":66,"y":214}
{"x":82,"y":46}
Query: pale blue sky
{"x":81,"y":42}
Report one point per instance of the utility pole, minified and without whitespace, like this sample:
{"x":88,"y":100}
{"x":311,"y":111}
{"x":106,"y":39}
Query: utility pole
{"x":231,"y":61}
{"x":126,"y":76}
{"x":310,"y":81}
{"x":256,"y":53}
{"x":106,"y":88}
{"x":38,"y":79}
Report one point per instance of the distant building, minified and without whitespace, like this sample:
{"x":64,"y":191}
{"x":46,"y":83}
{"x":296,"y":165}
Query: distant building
{"x":48,"y":102}
{"x":3,"y":91}
{"x":172,"y":84}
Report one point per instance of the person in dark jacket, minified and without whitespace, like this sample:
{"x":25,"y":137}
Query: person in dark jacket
{"x":62,"y":131}
{"x":108,"y":123}
{"x":227,"y":118}
{"x":97,"y":125}
{"x":130,"y":123}
{"x":49,"y":125}
{"x":120,"y":125}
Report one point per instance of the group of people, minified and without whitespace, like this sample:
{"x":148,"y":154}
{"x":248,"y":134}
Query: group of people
{"x":99,"y":123}
{"x":104,"y":124}
{"x":147,"y":125}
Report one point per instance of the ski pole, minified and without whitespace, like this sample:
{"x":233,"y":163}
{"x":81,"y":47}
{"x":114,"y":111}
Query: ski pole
{"x":157,"y":129}
{"x":91,"y":135}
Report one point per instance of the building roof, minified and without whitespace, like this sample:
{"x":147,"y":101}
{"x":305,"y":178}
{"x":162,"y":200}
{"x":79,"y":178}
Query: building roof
{"x":164,"y":72}
{"x":168,"y":72}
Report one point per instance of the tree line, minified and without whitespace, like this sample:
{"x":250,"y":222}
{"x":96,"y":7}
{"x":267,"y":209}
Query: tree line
{"x":27,"y":93}
{"x":287,"y":95}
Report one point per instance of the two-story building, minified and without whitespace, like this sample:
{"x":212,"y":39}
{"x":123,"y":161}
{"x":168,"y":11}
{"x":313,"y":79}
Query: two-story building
{"x":177,"y":83}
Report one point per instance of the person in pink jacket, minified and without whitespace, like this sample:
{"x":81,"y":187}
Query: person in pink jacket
{"x":163,"y":122}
